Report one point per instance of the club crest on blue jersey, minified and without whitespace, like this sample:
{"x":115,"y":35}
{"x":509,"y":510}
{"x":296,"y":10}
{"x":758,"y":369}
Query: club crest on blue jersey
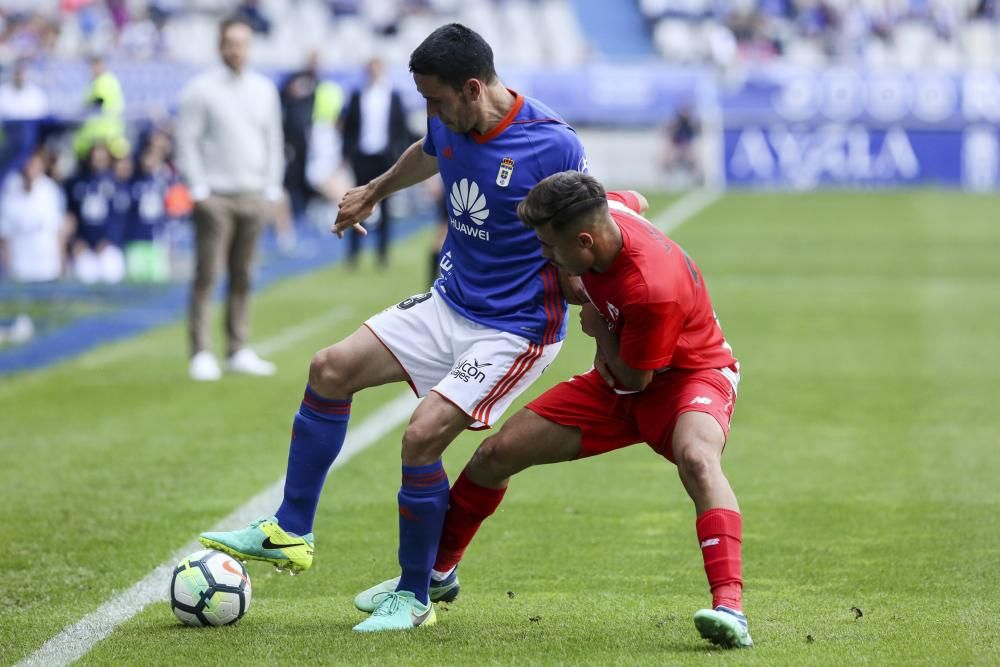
{"x":506,"y":169}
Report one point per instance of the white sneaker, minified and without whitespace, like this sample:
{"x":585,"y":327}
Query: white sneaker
{"x":247,"y":362}
{"x":204,"y":367}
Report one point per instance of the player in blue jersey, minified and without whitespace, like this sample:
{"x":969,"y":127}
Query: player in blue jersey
{"x":492,"y":323}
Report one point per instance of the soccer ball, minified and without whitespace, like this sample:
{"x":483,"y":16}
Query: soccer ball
{"x":209,"y":588}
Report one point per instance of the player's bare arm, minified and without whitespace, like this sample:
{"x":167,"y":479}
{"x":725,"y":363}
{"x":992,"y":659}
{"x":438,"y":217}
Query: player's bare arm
{"x":412,"y":167}
{"x":601,"y":366}
{"x":595,"y":326}
{"x":572,"y":289}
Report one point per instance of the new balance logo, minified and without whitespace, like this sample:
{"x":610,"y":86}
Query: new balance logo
{"x":711,"y":542}
{"x":700,"y":400}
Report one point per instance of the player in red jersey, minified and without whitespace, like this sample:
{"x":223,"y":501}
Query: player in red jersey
{"x":663,"y":375}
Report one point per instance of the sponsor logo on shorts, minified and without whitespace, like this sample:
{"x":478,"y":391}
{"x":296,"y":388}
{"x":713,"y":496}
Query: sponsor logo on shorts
{"x":467,"y":370}
{"x":700,"y":400}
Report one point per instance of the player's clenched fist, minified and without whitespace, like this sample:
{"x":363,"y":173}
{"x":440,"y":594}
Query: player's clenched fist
{"x":355,"y":207}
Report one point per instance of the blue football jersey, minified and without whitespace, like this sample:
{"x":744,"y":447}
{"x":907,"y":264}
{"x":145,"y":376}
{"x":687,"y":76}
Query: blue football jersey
{"x":492,"y":269}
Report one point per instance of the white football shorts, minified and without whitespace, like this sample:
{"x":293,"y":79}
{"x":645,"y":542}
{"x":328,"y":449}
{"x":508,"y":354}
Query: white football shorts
{"x":479,"y":369}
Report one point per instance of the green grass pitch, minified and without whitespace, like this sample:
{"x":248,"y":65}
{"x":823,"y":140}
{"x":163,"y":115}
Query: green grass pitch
{"x":863,"y":451}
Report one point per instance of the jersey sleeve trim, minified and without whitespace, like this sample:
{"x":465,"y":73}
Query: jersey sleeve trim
{"x":626,"y":197}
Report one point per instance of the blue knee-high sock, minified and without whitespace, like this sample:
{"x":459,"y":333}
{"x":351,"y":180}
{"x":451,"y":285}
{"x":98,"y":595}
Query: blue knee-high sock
{"x":317,"y":436}
{"x":423,"y":502}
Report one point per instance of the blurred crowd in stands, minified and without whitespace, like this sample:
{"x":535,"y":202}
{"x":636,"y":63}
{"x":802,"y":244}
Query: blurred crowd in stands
{"x":810,"y":32}
{"x":946,"y":34}
{"x":346,"y":32}
{"x":92,"y":203}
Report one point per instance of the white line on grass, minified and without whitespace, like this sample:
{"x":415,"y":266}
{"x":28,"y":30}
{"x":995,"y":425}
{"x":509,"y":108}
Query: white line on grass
{"x":76,"y":640}
{"x":684,"y":209}
{"x":299,"y":332}
{"x":107,"y":355}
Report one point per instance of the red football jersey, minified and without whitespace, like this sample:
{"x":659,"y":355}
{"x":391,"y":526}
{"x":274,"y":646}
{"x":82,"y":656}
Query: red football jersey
{"x":654,"y":298}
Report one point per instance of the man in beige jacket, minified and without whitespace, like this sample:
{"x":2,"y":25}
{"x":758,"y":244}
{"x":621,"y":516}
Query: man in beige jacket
{"x":231,"y":155}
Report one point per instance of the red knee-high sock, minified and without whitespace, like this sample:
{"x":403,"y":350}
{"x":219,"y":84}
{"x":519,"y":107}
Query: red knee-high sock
{"x":468,"y":506}
{"x":720,"y":533}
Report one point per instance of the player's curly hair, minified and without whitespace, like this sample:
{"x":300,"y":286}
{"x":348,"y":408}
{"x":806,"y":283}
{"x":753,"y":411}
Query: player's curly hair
{"x":562,"y":199}
{"x":454,"y":54}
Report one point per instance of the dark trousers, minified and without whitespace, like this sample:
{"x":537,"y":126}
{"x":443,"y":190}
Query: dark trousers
{"x":367,"y":167}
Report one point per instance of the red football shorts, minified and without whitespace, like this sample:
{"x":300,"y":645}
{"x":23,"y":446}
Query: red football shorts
{"x":610,"y":421}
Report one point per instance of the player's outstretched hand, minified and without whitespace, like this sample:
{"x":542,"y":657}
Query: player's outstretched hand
{"x":591,"y":320}
{"x":355,"y":207}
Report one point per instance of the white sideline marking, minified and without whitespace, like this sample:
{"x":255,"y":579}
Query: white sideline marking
{"x":301,"y":331}
{"x":684,"y":209}
{"x":76,"y":640}
{"x":288,"y":337}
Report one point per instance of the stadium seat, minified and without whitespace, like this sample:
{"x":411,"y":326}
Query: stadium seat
{"x":913,"y":44}
{"x":977,"y":39}
{"x":676,"y":40}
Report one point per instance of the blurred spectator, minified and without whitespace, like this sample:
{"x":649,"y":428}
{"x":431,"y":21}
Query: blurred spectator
{"x":118,"y":12}
{"x":231,"y":153}
{"x":159,"y":139}
{"x":20,"y":99}
{"x":986,"y":9}
{"x":26,"y":34}
{"x":97,"y":254}
{"x":33,"y":224}
{"x":681,"y":157}
{"x":21,"y":103}
{"x":375,"y":135}
{"x":306,"y":101}
{"x":145,"y":254}
{"x":103,"y":108}
{"x":142,"y":37}
{"x":324,"y":156}
{"x":251,"y":13}
{"x":122,"y":170}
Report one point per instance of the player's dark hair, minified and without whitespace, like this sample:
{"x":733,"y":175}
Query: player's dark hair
{"x":562,"y":200}
{"x":228,"y":22}
{"x":454,"y":54}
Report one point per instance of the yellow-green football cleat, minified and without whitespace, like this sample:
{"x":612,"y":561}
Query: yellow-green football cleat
{"x":445,"y":590}
{"x":398,"y":611}
{"x":265,"y":540}
{"x":723,"y":627}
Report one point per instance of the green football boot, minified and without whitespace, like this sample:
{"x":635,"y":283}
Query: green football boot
{"x":445,"y":590}
{"x":723,"y":627}
{"x":397,"y":611}
{"x":265,"y":540}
